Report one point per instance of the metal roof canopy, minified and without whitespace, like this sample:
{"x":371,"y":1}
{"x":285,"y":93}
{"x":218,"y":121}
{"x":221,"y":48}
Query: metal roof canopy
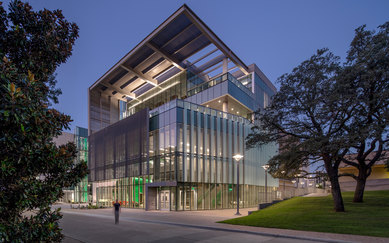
{"x":165,"y":50}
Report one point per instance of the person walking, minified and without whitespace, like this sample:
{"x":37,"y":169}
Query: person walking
{"x":117,"y":210}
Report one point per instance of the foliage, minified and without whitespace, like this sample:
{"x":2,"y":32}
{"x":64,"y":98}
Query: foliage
{"x":315,"y":214}
{"x":307,"y":117}
{"x":367,"y":72}
{"x":94,"y":206}
{"x":33,"y":169}
{"x":332,"y":114}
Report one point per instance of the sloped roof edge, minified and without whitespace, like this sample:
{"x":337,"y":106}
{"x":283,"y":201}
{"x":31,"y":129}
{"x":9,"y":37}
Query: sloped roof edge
{"x":184,"y":9}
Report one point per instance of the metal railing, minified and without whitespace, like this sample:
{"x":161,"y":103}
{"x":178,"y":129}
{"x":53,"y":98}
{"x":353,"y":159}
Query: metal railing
{"x":199,"y":108}
{"x":222,"y":78}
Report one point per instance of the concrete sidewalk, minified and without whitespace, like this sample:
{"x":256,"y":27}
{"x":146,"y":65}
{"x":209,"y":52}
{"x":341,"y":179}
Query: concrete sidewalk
{"x":206,"y":220}
{"x":318,"y":194}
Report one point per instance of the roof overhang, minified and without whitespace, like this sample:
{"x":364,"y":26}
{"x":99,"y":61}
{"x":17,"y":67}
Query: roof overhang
{"x":161,"y":54}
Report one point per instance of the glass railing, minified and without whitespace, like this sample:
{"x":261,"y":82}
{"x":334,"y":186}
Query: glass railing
{"x":218,"y":80}
{"x":198,"y":108}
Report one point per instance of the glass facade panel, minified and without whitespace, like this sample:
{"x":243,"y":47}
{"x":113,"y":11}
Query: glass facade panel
{"x":189,"y":144}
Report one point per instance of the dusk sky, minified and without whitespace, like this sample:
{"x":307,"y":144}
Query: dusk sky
{"x":276,"y":35}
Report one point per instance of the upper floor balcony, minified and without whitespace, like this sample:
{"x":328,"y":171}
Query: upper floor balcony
{"x":225,"y":93}
{"x":220,"y":79}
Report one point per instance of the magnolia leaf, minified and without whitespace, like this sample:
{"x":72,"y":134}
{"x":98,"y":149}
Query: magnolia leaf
{"x":31,"y":77}
{"x":62,"y":151}
{"x":12,"y":88}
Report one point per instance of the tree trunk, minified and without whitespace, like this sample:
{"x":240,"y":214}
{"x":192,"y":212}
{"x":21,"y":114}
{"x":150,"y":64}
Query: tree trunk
{"x":335,"y":187}
{"x":336,"y":194}
{"x":360,"y":188}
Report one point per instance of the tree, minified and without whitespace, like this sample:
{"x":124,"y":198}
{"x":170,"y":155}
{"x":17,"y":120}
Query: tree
{"x":33,"y":169}
{"x":367,"y":72}
{"x":308,"y":115}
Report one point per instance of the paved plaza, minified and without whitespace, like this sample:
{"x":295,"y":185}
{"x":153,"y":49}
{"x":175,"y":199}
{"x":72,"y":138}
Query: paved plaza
{"x":137,"y":225}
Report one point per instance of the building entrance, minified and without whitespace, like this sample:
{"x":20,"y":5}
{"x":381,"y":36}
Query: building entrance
{"x":164,"y":199}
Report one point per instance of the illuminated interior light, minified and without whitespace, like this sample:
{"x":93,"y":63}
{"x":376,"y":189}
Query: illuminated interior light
{"x":219,"y":101}
{"x":151,"y":96}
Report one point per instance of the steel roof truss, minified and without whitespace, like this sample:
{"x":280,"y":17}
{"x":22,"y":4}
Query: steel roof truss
{"x":165,"y":55}
{"x":142,"y":76}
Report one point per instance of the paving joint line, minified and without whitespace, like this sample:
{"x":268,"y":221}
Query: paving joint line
{"x":217,"y":228}
{"x":67,"y":236}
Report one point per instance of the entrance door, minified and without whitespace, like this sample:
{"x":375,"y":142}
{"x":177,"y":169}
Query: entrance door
{"x":164,"y":195}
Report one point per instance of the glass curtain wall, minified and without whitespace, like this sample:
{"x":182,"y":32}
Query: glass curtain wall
{"x":130,"y":192}
{"x":194,"y":145}
{"x":81,"y":141}
{"x":118,"y":160}
{"x":188,"y":144}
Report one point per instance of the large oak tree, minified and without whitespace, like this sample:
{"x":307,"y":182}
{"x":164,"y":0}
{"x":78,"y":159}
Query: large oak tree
{"x":333,"y":115}
{"x":307,"y":116}
{"x":367,"y":72}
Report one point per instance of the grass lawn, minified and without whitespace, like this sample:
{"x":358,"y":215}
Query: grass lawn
{"x":316,"y":214}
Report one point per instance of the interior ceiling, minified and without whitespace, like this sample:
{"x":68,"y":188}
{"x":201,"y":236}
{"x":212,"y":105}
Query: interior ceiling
{"x":159,"y":57}
{"x":234,"y":106}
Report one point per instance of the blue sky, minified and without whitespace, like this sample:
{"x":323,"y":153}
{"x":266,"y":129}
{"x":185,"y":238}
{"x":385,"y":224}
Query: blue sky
{"x":276,"y":35}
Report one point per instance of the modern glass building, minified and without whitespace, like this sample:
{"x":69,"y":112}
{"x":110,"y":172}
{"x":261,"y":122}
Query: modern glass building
{"x":80,"y":192}
{"x":167,"y":119}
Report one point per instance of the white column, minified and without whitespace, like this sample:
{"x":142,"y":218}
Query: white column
{"x":225,"y":106}
{"x":225,"y":65}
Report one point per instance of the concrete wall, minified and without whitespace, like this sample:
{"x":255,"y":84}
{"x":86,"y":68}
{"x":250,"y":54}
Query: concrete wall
{"x":64,"y":138}
{"x":378,"y":180}
{"x":371,"y":185}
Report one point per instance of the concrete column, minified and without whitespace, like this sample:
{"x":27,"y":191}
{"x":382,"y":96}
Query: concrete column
{"x":94,"y":199}
{"x":225,"y":106}
{"x":151,"y":198}
{"x":225,"y":65}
